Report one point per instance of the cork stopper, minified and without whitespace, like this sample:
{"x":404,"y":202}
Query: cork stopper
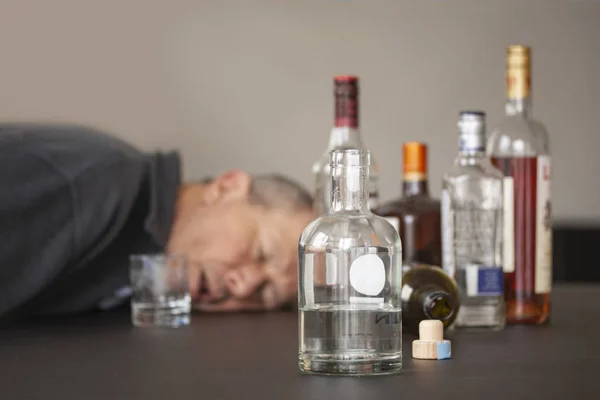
{"x":431,"y":344}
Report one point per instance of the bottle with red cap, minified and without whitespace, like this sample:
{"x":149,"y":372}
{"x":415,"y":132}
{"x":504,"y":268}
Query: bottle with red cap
{"x":345,"y":135}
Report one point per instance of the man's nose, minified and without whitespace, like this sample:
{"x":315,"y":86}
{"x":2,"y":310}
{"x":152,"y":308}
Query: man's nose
{"x":243,"y":282}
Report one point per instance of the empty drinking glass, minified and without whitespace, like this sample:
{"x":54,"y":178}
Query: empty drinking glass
{"x":161,"y":295}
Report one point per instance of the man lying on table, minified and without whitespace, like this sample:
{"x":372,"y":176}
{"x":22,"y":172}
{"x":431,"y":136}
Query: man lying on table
{"x":75,"y":203}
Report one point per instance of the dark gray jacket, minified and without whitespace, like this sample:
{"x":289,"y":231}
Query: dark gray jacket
{"x":74,"y":203}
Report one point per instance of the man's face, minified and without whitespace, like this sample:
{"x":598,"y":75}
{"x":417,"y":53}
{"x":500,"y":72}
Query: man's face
{"x":242,"y":256}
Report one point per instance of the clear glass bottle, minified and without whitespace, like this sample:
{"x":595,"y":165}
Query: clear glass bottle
{"x":428,"y":293}
{"x":416,"y":214}
{"x":519,"y":147}
{"x":344,"y":135}
{"x":472,"y":212}
{"x":350,"y":278}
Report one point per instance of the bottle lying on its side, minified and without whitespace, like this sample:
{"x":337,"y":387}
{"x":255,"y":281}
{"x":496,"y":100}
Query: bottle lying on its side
{"x":428,"y":293}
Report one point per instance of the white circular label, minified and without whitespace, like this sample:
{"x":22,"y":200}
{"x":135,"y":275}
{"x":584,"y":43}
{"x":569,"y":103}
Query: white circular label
{"x":367,"y":274}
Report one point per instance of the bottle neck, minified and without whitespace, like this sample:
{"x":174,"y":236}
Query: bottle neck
{"x":437,"y":304}
{"x":415,"y":187}
{"x":518,"y":106}
{"x":518,"y":81}
{"x":345,"y":137}
{"x":346,"y":103}
{"x":414,"y":182}
{"x":469,"y":157}
{"x":471,"y":142}
{"x":349,"y":190}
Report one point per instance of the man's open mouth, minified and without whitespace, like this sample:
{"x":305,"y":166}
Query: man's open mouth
{"x":204,"y":289}
{"x":207,"y":295}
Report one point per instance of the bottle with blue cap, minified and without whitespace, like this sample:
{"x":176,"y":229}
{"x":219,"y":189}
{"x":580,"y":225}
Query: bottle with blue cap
{"x":472,"y":215}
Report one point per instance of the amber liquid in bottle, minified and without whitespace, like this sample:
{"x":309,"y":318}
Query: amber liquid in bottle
{"x":416,"y":215}
{"x":523,"y":305}
{"x":520,"y":147}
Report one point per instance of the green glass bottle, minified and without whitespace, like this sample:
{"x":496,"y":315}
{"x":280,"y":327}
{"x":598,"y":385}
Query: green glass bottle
{"x":428,"y":293}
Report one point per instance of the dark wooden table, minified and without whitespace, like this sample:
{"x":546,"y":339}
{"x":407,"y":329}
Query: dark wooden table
{"x":253,"y":356}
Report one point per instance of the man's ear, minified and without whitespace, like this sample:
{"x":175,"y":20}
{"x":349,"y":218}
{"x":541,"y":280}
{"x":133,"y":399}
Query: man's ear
{"x":234,"y":184}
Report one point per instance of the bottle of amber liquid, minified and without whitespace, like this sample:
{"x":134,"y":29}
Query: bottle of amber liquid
{"x":519,"y":147}
{"x":416,"y":215}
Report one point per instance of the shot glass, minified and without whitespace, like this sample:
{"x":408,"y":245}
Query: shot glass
{"x":161,"y":295}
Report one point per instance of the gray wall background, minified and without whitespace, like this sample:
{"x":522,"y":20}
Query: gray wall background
{"x":247,"y":83}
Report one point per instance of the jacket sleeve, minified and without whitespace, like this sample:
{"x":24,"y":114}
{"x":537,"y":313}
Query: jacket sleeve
{"x":64,"y":195}
{"x":37,"y":225}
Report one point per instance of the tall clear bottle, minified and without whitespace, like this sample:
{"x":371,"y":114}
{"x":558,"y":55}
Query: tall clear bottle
{"x":350,"y":281}
{"x":519,"y":146}
{"x":344,"y":135}
{"x":472,"y":209}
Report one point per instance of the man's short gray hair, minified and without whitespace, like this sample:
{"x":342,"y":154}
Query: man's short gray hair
{"x":278,"y":191}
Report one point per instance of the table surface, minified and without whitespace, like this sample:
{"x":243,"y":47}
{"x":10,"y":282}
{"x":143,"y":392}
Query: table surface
{"x":253,"y":356}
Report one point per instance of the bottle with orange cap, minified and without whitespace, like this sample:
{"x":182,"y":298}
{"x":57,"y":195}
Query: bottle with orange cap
{"x":416,"y":214}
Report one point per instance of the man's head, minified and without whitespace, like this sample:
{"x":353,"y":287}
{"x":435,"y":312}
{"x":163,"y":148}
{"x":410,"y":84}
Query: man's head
{"x":240,"y":234}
